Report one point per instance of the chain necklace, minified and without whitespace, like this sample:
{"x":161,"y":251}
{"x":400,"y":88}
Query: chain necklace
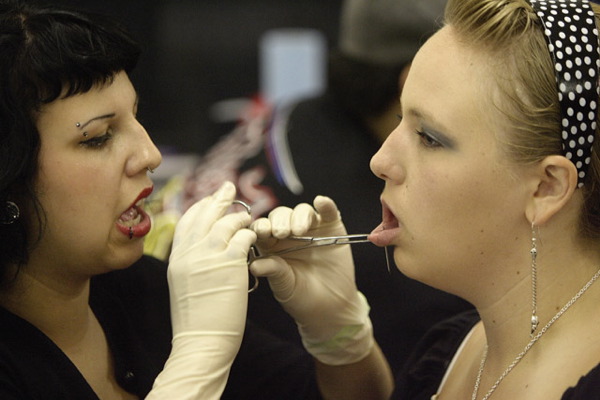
{"x":529,"y":345}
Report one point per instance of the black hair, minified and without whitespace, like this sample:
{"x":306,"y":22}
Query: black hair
{"x":46,"y":53}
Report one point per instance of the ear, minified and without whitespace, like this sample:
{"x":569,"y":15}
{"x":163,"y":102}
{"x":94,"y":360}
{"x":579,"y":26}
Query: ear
{"x":556,"y":181}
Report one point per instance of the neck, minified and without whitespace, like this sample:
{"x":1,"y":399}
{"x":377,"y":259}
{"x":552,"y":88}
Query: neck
{"x":507,"y":321}
{"x":59,"y":308}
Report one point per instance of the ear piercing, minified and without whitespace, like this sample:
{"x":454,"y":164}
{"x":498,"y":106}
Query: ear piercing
{"x":9,"y":213}
{"x":533,"y":252}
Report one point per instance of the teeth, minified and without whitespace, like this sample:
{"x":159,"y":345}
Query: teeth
{"x":131,"y":222}
{"x":132,"y":216}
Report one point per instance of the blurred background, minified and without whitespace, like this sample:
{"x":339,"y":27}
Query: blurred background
{"x":237,"y":90}
{"x":199,"y":54}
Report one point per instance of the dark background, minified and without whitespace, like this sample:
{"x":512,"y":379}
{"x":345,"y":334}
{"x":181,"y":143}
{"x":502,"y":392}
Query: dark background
{"x":198,"y":52}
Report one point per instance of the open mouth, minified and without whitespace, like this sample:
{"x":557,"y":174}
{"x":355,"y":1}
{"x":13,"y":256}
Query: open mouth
{"x":131,"y":217}
{"x":384,"y":234}
{"x":135,"y":222}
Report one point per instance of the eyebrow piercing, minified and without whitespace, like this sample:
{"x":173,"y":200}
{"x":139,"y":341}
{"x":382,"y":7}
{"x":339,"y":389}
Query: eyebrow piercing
{"x":78,"y":124}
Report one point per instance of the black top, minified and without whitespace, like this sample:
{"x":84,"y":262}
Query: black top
{"x":132,"y":306}
{"x":426,"y":368}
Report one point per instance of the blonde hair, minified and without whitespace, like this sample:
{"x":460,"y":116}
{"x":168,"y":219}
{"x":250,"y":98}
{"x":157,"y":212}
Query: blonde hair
{"x":523,"y":74}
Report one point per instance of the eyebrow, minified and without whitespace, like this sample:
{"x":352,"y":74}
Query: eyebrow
{"x":111,"y":115}
{"x":105,"y":116}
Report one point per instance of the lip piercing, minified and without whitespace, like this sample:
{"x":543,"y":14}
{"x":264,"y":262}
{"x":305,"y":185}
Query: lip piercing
{"x":130,"y":232}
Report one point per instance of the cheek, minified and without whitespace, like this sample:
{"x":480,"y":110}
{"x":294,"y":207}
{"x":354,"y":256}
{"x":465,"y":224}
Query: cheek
{"x":451,"y":208}
{"x":75,"y":192}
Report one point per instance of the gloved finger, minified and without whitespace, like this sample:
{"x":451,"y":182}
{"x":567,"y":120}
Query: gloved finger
{"x":262,"y":227}
{"x":303,"y":218}
{"x":241,"y":242}
{"x":281,"y":276}
{"x":327,"y":209}
{"x":200,"y":217}
{"x":223,"y":229}
{"x":265,"y":267}
{"x":280,"y":219}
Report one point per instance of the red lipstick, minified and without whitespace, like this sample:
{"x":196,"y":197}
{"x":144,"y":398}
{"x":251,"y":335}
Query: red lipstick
{"x":135,"y":222}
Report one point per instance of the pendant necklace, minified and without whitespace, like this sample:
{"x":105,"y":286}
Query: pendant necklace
{"x":529,"y":345}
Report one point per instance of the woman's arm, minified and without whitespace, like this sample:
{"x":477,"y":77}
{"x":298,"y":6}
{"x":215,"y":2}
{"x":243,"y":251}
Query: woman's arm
{"x":316,"y":286}
{"x":367,"y":379}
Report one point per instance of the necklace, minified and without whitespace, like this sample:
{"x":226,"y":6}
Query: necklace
{"x":529,"y":345}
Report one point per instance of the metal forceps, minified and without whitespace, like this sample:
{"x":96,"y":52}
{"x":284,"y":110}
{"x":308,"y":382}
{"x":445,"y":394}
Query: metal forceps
{"x":307,"y":242}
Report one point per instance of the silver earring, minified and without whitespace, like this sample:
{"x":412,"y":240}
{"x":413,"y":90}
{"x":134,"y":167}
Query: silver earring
{"x":10,"y":213}
{"x":534,"y":318}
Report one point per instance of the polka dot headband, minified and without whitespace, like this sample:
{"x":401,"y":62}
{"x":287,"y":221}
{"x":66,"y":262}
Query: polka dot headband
{"x":572,"y":36}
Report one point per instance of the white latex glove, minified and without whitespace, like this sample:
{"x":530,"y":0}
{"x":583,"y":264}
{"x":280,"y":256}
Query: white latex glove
{"x":208,"y":284}
{"x":316,"y":286}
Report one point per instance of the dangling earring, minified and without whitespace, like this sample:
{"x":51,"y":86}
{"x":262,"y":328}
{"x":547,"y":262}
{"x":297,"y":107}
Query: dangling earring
{"x":10,"y":213}
{"x":533,"y":251}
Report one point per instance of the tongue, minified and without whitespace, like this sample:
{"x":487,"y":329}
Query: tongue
{"x":382,"y":237}
{"x":129,"y":214}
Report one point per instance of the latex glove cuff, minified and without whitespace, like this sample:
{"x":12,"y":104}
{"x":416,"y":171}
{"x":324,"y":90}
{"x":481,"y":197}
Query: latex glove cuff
{"x":350,"y":344}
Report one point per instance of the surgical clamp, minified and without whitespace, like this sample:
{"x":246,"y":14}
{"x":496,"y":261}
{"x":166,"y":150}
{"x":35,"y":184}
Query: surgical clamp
{"x":309,"y":242}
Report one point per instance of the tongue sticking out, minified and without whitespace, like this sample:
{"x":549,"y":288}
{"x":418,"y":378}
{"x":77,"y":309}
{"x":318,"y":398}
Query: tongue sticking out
{"x":383,"y":236}
{"x":389,"y":228}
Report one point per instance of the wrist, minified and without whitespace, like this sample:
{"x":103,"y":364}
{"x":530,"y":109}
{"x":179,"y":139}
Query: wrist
{"x":348,"y":343}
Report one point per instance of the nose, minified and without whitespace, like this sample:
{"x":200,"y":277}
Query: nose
{"x":386,"y":163}
{"x":145,"y":155}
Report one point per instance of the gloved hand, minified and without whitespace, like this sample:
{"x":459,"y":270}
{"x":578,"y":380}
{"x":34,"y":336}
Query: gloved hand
{"x":316,"y":286}
{"x":208,"y":283}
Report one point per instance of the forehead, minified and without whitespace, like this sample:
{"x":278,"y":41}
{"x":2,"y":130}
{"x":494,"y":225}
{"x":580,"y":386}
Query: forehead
{"x":448,"y":81}
{"x":117,"y":93}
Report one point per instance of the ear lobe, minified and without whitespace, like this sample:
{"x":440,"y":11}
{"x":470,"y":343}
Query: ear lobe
{"x":556,"y":183}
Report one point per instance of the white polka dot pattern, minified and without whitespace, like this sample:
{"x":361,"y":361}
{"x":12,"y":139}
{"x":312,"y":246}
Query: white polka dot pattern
{"x":572,"y":36}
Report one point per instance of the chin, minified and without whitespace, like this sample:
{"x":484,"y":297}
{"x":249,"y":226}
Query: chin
{"x":418,"y":271}
{"x":124,"y":257}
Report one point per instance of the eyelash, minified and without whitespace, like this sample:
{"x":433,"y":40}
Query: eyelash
{"x":428,"y":141}
{"x":97,"y":142}
{"x":425,"y":139}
